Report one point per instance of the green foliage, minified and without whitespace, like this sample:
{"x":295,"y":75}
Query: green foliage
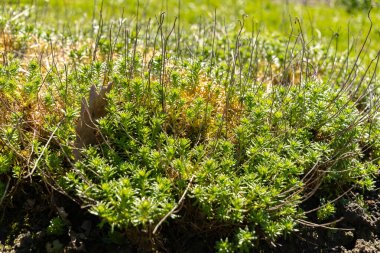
{"x":56,"y":227}
{"x":355,"y":5}
{"x":326,"y":211}
{"x":5,"y":162}
{"x":288,"y":140}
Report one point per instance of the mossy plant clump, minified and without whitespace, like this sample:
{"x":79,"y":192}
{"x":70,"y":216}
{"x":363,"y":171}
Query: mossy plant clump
{"x":289,"y":143}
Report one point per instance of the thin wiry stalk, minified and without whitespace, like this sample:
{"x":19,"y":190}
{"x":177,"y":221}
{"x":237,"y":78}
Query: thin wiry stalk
{"x":100,"y":31}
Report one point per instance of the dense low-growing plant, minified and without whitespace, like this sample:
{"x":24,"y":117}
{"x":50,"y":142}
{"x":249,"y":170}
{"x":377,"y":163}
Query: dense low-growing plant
{"x":235,"y":135}
{"x":290,"y":143}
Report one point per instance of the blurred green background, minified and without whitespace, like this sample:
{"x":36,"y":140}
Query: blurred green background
{"x":320,"y":19}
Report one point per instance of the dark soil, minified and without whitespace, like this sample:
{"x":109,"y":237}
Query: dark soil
{"x":358,"y":230}
{"x":28,"y":214}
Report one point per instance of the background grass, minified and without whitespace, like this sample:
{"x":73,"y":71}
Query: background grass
{"x":319,"y":19}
